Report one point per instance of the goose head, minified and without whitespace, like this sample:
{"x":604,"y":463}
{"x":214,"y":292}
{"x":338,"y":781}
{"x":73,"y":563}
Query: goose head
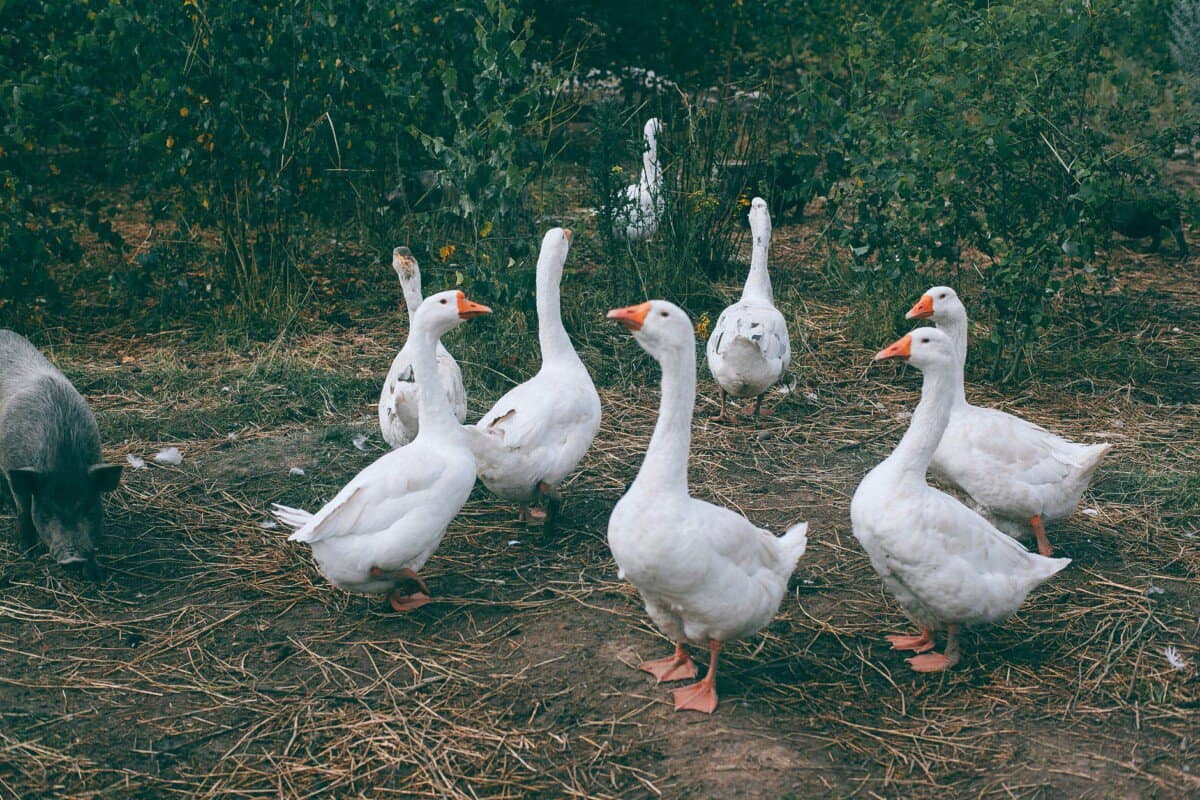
{"x":941,"y":304}
{"x":410,"y":277}
{"x":924,"y":348}
{"x":760,"y":222}
{"x":661,"y":328}
{"x":445,"y":311}
{"x":405,"y":266}
{"x":553,"y":255}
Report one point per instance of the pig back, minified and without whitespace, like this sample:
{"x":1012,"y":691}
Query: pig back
{"x":45,"y":424}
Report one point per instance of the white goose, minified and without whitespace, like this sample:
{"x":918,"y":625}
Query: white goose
{"x":382,"y":527}
{"x":399,"y":399}
{"x":643,"y":200}
{"x":1020,"y":475}
{"x":749,"y":348}
{"x":945,"y":564}
{"x":540,"y":430}
{"x":706,"y":574}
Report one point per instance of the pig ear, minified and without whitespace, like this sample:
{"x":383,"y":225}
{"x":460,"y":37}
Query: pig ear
{"x":24,"y":482}
{"x":105,"y":476}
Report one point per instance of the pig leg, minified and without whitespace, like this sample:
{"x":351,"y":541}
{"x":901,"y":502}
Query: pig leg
{"x":26,"y":532}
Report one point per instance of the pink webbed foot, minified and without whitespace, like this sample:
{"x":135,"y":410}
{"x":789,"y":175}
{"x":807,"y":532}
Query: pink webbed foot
{"x":931,"y":662}
{"x":700,"y":696}
{"x":399,"y":599}
{"x":918,"y":644}
{"x":403,"y":603}
{"x":676,"y":667}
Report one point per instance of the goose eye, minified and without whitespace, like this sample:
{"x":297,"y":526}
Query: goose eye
{"x":925,"y":340}
{"x":443,"y":301}
{"x":665,"y":313}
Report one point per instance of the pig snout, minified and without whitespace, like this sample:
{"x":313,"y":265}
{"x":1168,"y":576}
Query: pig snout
{"x":85,"y":563}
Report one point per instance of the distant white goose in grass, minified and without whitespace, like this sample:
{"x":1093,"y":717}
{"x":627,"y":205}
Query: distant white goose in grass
{"x":537,"y":433}
{"x":706,"y":574}
{"x":382,"y":527}
{"x":644,"y":205}
{"x":749,"y":348}
{"x":945,"y":564}
{"x":398,"y":402}
{"x":1021,"y":475}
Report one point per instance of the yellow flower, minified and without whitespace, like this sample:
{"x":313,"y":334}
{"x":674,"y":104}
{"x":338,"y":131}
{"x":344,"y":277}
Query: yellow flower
{"x":702,"y":326}
{"x":170,"y":142}
{"x":485,"y":229}
{"x":446,"y":252}
{"x":743,"y":201}
{"x":183,"y":112}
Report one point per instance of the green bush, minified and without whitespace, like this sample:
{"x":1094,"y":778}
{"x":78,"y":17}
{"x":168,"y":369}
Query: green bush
{"x":969,"y":145}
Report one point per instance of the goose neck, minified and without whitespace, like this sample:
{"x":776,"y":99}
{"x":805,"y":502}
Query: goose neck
{"x":758,"y":282}
{"x":411,"y":286}
{"x":666,"y":464}
{"x":433,"y":409}
{"x":929,"y":421}
{"x":552,"y":335}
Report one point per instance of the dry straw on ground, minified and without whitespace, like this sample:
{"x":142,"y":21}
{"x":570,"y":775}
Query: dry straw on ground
{"x":217,"y":663}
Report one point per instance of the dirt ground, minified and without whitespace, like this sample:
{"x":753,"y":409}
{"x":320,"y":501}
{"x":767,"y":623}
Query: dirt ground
{"x":216,"y":662}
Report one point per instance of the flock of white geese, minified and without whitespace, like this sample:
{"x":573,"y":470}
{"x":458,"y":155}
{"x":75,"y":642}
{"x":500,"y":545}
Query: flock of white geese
{"x":706,"y":574}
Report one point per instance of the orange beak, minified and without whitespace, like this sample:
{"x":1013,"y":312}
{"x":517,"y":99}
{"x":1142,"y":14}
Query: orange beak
{"x":631,"y":317}
{"x":901,"y":348}
{"x":567,"y":233}
{"x":922,"y":310}
{"x":468,"y":309}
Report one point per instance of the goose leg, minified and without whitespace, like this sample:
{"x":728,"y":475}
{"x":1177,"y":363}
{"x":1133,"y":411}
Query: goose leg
{"x":1039,"y":531}
{"x":701,"y":696}
{"x":676,"y":667}
{"x":724,"y":416}
{"x":918,"y":644}
{"x":554,"y":501}
{"x":757,"y":409}
{"x":938,"y":662}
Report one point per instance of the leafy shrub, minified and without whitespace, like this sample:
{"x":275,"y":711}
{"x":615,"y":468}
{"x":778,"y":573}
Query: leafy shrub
{"x":968,"y":153}
{"x":1185,"y":35}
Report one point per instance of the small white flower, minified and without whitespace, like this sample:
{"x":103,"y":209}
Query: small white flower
{"x":360,"y":442}
{"x":1173,"y":658}
{"x":810,"y":396}
{"x":231,"y":436}
{"x":295,"y":471}
{"x":170,"y":456}
{"x":135,"y":462}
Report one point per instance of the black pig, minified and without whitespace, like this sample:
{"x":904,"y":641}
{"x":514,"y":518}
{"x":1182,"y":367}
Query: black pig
{"x":50,"y":456}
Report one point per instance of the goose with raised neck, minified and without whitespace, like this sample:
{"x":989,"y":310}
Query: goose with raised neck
{"x":539,"y":431}
{"x":945,"y":564}
{"x":1020,"y":475}
{"x":643,"y":201}
{"x":380,"y":529}
{"x":749,"y":348}
{"x":399,"y":418}
{"x":706,"y":574}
